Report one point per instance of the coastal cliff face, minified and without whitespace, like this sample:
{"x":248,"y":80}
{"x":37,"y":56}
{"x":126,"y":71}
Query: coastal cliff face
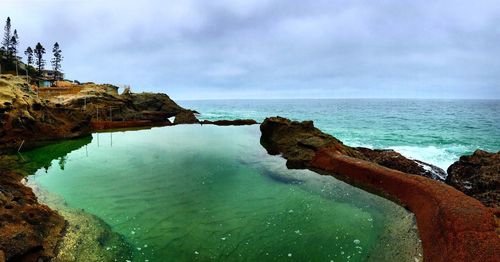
{"x":25,"y":117}
{"x":30,"y":119}
{"x":104,"y":105}
{"x":478,"y":175}
{"x":452,"y":226}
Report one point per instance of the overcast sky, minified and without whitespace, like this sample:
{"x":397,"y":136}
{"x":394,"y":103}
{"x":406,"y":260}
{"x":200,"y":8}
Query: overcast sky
{"x":208,"y":49}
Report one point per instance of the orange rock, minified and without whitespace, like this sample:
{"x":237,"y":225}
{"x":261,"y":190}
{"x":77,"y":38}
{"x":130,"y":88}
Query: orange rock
{"x":452,"y":226}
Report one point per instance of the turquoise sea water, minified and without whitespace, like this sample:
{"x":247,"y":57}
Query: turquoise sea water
{"x":435,"y":131}
{"x":208,"y":193}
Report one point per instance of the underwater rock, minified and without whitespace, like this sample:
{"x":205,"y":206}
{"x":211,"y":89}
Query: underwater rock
{"x":478,"y":175}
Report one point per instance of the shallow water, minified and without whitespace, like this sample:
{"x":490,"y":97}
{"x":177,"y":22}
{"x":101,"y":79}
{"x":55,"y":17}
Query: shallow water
{"x":434,"y":131}
{"x":211,"y":193}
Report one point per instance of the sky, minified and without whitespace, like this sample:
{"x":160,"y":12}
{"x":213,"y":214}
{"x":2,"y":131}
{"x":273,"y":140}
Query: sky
{"x":236,"y":49}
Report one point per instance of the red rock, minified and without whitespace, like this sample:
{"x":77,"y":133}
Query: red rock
{"x":452,"y":225}
{"x":29,"y":231}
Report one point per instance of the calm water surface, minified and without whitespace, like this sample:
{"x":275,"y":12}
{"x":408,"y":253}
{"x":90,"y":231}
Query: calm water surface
{"x":191,"y":193}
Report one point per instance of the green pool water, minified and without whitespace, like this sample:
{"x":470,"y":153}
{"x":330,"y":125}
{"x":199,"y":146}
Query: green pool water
{"x":208,"y":193}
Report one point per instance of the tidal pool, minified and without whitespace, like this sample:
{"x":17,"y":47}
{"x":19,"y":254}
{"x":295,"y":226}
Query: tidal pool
{"x":209,"y":193}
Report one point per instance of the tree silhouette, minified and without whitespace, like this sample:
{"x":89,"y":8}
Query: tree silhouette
{"x":7,"y":37}
{"x":40,"y":62}
{"x":56,"y":60}
{"x":14,"y":41}
{"x":29,"y":55}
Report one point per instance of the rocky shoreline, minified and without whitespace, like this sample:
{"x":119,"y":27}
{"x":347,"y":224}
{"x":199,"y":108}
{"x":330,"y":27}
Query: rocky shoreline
{"x":451,"y":224}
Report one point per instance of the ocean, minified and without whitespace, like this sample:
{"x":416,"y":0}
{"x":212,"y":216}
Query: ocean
{"x":434,"y":131}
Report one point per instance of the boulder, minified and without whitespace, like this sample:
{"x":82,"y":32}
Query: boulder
{"x":478,"y":175}
{"x":186,"y":117}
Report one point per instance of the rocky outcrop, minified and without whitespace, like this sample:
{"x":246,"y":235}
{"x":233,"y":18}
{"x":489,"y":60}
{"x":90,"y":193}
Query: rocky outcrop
{"x":108,"y":106}
{"x":392,"y":159}
{"x":299,"y":141}
{"x":236,"y":122}
{"x":186,"y":117}
{"x":478,"y":175}
{"x":28,"y":231}
{"x":28,"y":120}
{"x":452,"y":226}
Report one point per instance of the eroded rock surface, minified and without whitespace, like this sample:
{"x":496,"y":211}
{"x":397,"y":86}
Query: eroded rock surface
{"x":186,"y":117}
{"x":478,"y":175}
{"x":29,"y":231}
{"x":25,"y":117}
{"x":104,"y":105}
{"x":299,"y":141}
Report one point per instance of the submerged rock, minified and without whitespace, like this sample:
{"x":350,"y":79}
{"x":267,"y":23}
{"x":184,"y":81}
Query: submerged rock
{"x":478,"y":175}
{"x":87,"y":237}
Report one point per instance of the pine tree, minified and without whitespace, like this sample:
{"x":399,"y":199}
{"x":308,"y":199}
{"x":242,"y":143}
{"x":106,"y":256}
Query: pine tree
{"x":7,"y":35}
{"x":40,"y":62}
{"x":56,"y":60}
{"x":14,"y":41}
{"x":29,"y":56}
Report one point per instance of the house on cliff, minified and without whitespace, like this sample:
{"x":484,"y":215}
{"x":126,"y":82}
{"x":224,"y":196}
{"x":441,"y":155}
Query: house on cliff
{"x":49,"y":77}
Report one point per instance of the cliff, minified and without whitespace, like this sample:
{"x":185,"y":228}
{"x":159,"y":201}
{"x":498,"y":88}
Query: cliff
{"x":30,"y":121}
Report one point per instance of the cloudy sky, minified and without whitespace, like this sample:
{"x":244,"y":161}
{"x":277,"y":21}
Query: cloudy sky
{"x":199,"y":49}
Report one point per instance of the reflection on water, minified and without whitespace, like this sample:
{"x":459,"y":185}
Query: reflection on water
{"x":188,"y":193}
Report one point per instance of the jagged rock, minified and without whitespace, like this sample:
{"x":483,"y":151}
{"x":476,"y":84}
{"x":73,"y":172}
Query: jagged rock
{"x":186,"y":117}
{"x":478,"y":175}
{"x":392,"y":159}
{"x":299,"y":141}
